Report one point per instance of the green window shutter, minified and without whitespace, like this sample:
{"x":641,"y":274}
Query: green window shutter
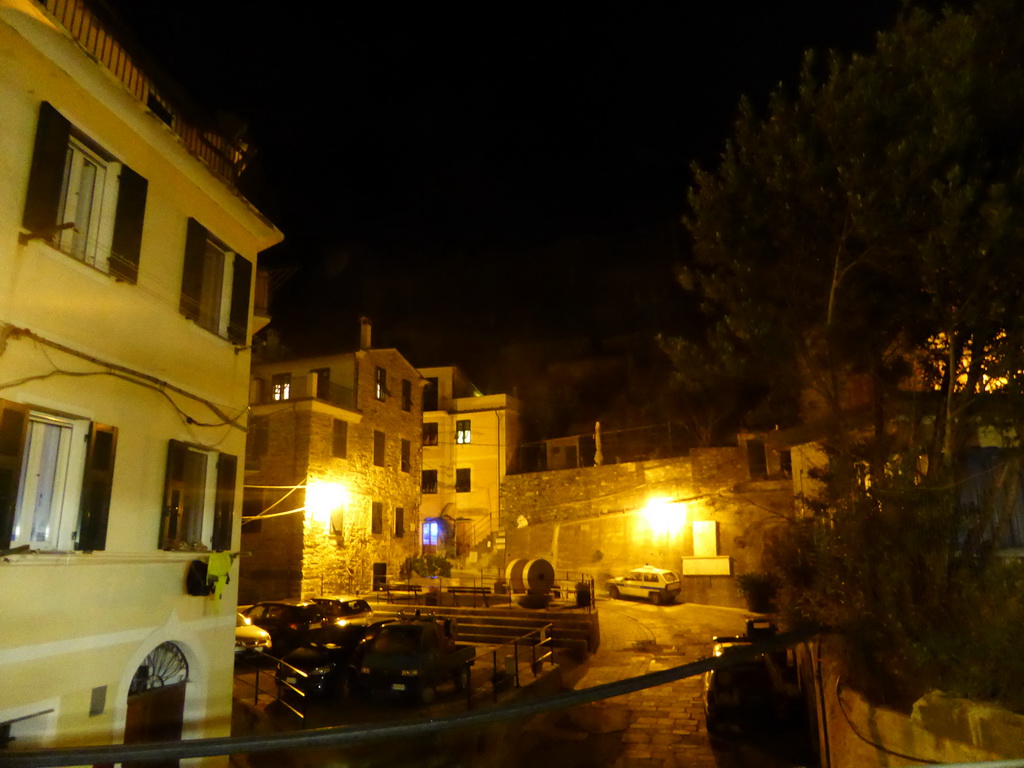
{"x":224,"y":508}
{"x":192,"y":273}
{"x":241,"y":283}
{"x":174,"y":494}
{"x":47,"y":172}
{"x":94,"y":506}
{"x":13,"y":428}
{"x":131,"y":209}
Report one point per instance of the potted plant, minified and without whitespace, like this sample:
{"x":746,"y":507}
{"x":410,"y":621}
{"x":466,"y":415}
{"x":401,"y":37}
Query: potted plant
{"x":759,"y":589}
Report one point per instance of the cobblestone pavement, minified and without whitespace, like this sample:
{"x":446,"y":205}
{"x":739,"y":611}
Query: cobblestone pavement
{"x":660,"y":727}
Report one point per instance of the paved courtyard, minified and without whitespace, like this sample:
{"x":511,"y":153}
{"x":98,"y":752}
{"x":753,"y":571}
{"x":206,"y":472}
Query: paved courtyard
{"x":660,"y":727}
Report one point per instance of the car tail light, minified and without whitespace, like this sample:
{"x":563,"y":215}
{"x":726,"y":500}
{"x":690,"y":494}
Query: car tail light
{"x":294,"y":625}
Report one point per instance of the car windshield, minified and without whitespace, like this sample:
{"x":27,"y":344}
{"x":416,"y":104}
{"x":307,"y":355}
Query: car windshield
{"x":352,"y":607}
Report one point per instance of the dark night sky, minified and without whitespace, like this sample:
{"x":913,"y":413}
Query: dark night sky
{"x":470,"y":174}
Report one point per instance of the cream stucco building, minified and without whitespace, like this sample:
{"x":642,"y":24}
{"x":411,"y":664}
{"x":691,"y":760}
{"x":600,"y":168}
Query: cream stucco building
{"x":127,"y":276}
{"x":470,"y":441}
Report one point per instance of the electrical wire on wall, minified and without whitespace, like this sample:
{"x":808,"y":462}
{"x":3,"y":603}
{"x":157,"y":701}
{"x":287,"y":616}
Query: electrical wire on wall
{"x":263,"y":513}
{"x":164,"y":388}
{"x":866,"y":740}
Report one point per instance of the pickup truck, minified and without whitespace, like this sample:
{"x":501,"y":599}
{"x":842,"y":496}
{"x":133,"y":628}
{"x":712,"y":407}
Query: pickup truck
{"x":412,"y":656}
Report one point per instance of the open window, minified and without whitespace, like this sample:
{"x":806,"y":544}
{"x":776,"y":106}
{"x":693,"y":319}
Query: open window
{"x":82,"y":200}
{"x":56,"y":473}
{"x":199,"y":498}
{"x":215,"y":285}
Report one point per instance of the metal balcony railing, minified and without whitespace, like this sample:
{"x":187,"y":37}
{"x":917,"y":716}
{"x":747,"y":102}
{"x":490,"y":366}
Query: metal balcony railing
{"x":96,"y":34}
{"x":306,"y":388}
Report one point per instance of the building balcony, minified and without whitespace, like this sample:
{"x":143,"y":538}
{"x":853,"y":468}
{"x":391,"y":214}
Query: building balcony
{"x":222,"y":149}
{"x":302,"y":388}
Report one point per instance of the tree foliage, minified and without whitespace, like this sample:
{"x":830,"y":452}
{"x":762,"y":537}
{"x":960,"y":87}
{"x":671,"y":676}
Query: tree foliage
{"x":867,"y":226}
{"x":865,"y":223}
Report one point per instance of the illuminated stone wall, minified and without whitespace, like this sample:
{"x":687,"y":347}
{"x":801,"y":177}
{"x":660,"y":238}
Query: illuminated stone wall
{"x":594,"y":520}
{"x":294,"y":556}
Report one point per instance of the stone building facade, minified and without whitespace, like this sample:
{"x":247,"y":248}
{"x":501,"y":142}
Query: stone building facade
{"x":701,"y":515}
{"x":333,"y":465}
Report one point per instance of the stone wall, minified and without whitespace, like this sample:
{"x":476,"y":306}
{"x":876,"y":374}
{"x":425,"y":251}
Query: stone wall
{"x":271,"y":550}
{"x":592,"y":520}
{"x":293,"y":556}
{"x":939,"y":729}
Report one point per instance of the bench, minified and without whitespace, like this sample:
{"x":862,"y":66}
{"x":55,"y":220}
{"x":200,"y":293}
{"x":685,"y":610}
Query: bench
{"x":474,"y":591}
{"x":403,"y":590}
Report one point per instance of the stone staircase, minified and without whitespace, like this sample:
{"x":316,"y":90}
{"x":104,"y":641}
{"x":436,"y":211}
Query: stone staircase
{"x":574,"y":630}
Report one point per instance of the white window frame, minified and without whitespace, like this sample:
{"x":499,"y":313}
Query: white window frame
{"x":68,"y":472}
{"x":89,"y":242}
{"x":282,"y":388}
{"x":208,"y":494}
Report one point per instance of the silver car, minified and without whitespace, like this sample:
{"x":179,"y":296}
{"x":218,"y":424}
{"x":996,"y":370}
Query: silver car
{"x":649,"y":583}
{"x":250,"y":640}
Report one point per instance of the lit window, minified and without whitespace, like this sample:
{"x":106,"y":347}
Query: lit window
{"x":56,"y":472}
{"x":430,"y":532}
{"x":430,"y":433}
{"x":215,"y":285}
{"x":83,"y":201}
{"x":281,"y":386}
{"x":463,"y":433}
{"x":381,"y":378}
{"x":462,"y":480}
{"x":429,"y":484}
{"x":199,"y":498}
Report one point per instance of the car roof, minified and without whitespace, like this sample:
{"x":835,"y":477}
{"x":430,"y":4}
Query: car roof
{"x":338,"y":598}
{"x":649,"y":569}
{"x":287,"y":601}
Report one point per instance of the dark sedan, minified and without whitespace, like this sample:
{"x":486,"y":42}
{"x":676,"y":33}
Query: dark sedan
{"x":291,"y":623}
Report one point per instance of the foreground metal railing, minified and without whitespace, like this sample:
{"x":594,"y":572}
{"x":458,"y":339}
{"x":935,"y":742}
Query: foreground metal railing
{"x":281,"y":683}
{"x":504,"y":674}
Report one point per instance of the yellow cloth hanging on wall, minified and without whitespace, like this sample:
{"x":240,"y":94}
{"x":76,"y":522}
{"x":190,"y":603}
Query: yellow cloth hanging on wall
{"x":217,"y":571}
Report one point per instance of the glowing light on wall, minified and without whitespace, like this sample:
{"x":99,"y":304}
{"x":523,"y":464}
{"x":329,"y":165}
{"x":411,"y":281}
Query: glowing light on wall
{"x":323,"y":498}
{"x":664,"y":517}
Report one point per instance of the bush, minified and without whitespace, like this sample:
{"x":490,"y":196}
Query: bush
{"x":891,"y":571}
{"x":427,"y":566}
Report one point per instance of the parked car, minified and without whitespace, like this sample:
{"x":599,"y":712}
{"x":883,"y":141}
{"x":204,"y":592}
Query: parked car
{"x":410,"y":657}
{"x":250,"y":640}
{"x":649,"y":583}
{"x":751,"y":695}
{"x":346,"y":609}
{"x":324,"y":670}
{"x":291,"y":623}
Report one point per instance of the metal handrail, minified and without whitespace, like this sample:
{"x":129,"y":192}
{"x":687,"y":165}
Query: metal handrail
{"x":498,"y":678}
